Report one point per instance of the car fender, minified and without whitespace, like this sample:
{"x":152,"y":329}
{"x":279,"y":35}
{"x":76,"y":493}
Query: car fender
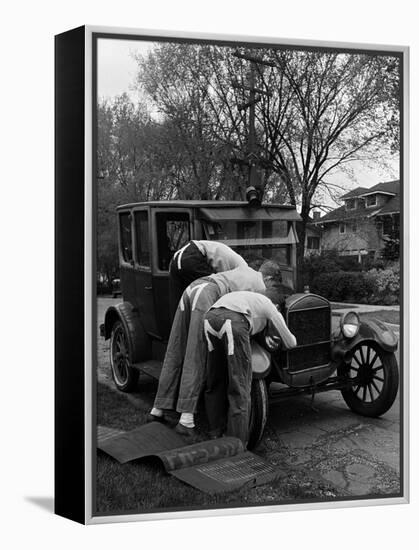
{"x":369,"y":330}
{"x":139,"y":341}
{"x":261,"y":360}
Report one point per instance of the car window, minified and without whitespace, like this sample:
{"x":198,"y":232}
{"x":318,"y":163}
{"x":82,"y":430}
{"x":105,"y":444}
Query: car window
{"x":173,"y":232}
{"x":142,"y":238}
{"x":125,"y":233}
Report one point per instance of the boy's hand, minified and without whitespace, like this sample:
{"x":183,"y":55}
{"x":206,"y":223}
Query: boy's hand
{"x":273,"y":342}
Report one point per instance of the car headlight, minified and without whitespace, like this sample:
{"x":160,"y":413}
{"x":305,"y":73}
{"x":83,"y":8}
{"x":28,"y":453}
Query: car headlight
{"x":350,"y":324}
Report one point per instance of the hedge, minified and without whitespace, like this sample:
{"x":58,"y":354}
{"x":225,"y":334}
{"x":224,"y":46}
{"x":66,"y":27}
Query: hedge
{"x":377,"y":286}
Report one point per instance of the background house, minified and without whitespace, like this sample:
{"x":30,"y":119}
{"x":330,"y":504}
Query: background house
{"x":363,"y":223}
{"x":313,"y":244}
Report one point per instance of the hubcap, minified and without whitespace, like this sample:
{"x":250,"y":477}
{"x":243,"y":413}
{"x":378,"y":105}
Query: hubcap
{"x":366,"y":372}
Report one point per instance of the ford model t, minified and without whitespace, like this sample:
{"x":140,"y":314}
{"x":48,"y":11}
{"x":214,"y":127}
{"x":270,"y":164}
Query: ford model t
{"x":356,"y":358}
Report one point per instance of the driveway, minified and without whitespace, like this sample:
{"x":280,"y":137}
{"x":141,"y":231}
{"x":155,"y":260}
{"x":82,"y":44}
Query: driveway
{"x":355,"y":455}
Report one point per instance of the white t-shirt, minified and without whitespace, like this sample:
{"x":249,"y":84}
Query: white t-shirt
{"x":260,"y":311}
{"x":240,"y":278}
{"x":220,"y":256}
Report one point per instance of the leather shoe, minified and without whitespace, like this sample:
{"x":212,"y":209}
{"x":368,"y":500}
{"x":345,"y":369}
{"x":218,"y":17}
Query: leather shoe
{"x":190,"y":433}
{"x":153,"y":418}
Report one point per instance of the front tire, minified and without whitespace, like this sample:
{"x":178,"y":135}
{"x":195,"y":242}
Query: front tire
{"x":258,"y":411}
{"x":124,"y":376}
{"x":374,"y":378}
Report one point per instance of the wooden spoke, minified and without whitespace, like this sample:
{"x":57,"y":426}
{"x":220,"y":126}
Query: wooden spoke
{"x":378,"y":378}
{"x":361,"y":352}
{"x":357,"y":360}
{"x":374,"y":359}
{"x":364,"y":393}
{"x":375,"y":386}
{"x":370,"y":392}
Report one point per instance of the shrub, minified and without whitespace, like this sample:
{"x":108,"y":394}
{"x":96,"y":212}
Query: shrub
{"x":377,"y":286}
{"x":386,"y":284}
{"x":344,"y":286}
{"x":328,"y":261}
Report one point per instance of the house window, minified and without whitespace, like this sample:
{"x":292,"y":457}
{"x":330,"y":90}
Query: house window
{"x":371,"y":200}
{"x":354,"y":227}
{"x":351,"y":204}
{"x":342,"y":228}
{"x":313,"y":243}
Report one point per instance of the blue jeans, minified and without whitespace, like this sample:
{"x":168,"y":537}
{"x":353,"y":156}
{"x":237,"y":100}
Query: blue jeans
{"x":183,"y":373}
{"x":229,"y":372}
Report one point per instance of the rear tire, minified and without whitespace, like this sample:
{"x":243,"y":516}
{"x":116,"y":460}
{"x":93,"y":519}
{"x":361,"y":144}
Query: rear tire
{"x":124,"y":376}
{"x":258,"y":411}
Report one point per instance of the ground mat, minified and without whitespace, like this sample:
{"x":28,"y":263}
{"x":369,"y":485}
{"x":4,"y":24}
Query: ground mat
{"x":215,"y":466}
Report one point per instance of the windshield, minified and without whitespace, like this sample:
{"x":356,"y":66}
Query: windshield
{"x":256,"y":241}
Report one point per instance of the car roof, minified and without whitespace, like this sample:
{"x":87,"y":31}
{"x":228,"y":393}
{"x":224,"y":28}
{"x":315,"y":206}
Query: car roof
{"x":200,"y":204}
{"x":219,"y":210}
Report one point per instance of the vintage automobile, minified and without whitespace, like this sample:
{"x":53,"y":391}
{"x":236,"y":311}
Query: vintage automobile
{"x":356,"y":357}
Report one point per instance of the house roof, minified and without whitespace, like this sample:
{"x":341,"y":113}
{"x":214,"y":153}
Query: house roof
{"x":386,"y":187}
{"x":354,"y":193}
{"x":391,"y":207}
{"x":340,"y":214}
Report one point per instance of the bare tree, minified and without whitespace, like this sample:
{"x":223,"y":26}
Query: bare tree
{"x":326,"y":110}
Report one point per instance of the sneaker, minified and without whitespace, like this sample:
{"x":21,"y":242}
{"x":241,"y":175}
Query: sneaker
{"x":153,"y":418}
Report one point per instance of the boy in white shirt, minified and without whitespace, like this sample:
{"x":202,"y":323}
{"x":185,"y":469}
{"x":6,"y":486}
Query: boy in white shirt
{"x":228,"y":326}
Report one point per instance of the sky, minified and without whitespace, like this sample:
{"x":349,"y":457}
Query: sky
{"x":116,"y":74}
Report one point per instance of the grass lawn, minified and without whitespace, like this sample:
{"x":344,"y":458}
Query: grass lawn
{"x":144,"y":486}
{"x":387,"y":316}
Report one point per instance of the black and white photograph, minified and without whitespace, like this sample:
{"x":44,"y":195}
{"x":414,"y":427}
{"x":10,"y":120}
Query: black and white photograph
{"x":248,"y":273}
{"x":210,"y":253}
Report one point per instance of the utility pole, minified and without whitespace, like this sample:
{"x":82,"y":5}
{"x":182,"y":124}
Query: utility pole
{"x":252,"y":159}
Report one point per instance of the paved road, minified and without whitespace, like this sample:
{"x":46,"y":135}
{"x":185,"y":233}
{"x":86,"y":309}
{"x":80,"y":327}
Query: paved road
{"x":355,"y":455}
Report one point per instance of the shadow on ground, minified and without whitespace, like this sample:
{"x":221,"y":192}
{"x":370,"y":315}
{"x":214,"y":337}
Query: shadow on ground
{"x":45,"y":503}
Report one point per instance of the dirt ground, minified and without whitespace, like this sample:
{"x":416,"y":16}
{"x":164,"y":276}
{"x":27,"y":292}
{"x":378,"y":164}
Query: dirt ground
{"x":352,"y":455}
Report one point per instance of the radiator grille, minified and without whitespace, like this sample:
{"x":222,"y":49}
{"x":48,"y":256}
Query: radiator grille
{"x":309,"y":357}
{"x":311,"y":327}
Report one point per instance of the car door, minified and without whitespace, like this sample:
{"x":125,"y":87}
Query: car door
{"x":173,"y":229}
{"x":143,"y":271}
{"x":126,"y":257}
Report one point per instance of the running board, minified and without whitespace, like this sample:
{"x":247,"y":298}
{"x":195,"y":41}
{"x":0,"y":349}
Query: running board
{"x":151,"y":368}
{"x":336,"y":383}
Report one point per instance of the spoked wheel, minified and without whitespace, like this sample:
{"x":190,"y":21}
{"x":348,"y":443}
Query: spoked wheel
{"x":374,"y":378}
{"x":124,"y":376}
{"x":258,"y":411}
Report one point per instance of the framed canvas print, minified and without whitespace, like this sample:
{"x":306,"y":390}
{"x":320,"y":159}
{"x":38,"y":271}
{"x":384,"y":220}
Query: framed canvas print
{"x":231,"y":274}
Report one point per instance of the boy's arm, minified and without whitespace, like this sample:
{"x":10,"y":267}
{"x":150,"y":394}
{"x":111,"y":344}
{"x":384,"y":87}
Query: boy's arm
{"x":276,"y":327}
